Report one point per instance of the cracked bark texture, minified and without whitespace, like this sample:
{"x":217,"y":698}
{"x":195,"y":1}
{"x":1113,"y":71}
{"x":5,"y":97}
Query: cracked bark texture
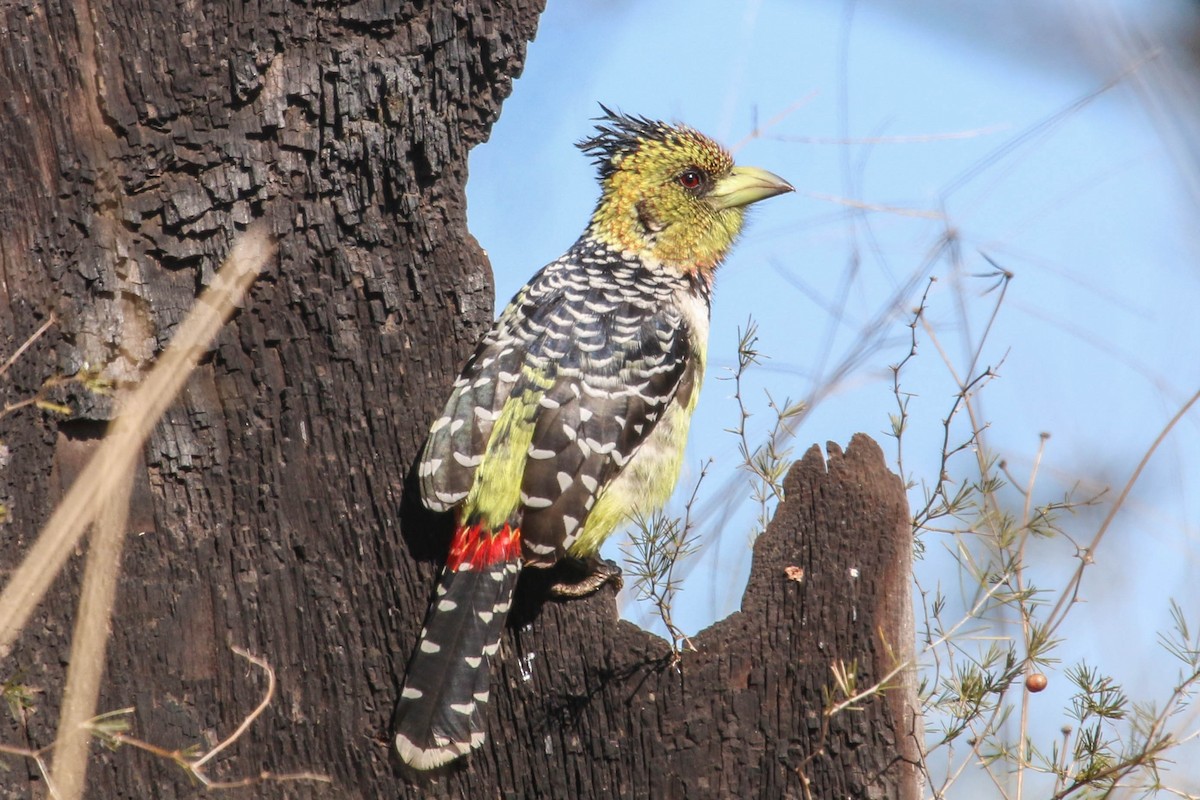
{"x":139,"y":137}
{"x":598,"y":704}
{"x":271,"y":505}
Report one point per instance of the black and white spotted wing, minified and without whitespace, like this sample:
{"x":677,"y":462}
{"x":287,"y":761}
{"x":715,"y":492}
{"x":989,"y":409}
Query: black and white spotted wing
{"x":458,"y":439}
{"x":602,"y":346}
{"x":627,"y":364}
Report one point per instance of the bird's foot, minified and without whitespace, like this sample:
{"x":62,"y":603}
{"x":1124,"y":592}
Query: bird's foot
{"x":595,"y":572}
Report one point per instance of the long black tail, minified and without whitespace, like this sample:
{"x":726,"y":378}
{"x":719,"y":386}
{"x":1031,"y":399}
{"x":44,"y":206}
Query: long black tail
{"x":440,"y":715}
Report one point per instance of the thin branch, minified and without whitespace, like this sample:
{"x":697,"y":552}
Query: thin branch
{"x":917,"y":138}
{"x":249,"y":720}
{"x":89,"y":641}
{"x":862,"y":205}
{"x":758,"y":131}
{"x":195,"y":766}
{"x":1071,"y":591}
{"x":28,"y":343}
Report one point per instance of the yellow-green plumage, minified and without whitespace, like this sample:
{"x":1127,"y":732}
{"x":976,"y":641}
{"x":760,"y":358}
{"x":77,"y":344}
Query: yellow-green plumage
{"x":642,"y":192}
{"x":646,"y":483}
{"x":497,"y":487}
{"x":573,"y":413}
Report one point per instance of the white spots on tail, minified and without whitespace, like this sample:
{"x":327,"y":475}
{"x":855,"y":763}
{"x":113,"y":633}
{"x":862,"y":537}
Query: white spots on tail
{"x":449,"y":498}
{"x":428,"y":757}
{"x":539,"y":549}
{"x":535,"y":502}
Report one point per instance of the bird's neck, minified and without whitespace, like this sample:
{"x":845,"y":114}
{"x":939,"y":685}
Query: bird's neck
{"x":636,"y":236}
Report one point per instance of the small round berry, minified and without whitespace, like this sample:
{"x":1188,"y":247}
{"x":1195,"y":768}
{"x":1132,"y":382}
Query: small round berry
{"x":1035,"y":682}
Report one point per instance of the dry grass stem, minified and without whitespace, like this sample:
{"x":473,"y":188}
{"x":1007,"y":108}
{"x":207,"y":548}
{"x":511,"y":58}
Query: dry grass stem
{"x":865,"y":206}
{"x":917,"y":138}
{"x":114,"y":458}
{"x":758,"y":131}
{"x":249,"y":720}
{"x":1071,"y":592}
{"x":28,"y":343}
{"x":195,"y":766}
{"x":89,"y":641}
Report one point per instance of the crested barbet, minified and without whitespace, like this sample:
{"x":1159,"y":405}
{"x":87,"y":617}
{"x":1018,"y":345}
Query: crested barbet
{"x":572,"y":415}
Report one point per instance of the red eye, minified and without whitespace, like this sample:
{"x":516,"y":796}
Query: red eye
{"x":691,"y":178}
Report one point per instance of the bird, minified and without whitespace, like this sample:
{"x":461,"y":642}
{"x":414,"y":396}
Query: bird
{"x":571,"y":416}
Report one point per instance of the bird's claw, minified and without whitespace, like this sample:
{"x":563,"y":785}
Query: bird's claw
{"x":597,"y":572}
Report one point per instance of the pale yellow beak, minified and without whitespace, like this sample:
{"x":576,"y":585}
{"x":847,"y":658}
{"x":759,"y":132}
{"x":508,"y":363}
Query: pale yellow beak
{"x":746,"y":185}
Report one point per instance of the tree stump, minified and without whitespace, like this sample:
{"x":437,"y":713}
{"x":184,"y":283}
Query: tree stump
{"x":592,"y":706}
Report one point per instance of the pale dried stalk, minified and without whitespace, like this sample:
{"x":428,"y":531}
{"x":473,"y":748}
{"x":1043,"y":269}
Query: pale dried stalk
{"x":117,"y":455}
{"x":89,"y":642}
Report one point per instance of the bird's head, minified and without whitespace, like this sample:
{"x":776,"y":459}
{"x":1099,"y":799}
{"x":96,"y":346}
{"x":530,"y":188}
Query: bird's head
{"x":670,"y":194}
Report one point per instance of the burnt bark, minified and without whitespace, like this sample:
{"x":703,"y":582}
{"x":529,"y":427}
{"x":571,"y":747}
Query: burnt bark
{"x":273,"y":506}
{"x":592,"y":706}
{"x":139,"y":138}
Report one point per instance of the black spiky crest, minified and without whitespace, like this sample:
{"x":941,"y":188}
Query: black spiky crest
{"x":619,"y":135}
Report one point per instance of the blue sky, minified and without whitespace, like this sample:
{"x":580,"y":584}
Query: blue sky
{"x":934,"y":130}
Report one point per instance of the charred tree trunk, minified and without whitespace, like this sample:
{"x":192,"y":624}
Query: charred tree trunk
{"x":140,"y":139}
{"x":596,"y":705}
